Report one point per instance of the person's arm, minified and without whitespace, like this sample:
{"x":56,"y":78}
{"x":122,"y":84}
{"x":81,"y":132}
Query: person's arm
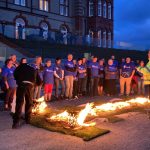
{"x":56,"y":75}
{"x":4,"y":77}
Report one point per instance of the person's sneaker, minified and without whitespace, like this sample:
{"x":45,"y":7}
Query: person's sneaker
{"x":76,"y":97}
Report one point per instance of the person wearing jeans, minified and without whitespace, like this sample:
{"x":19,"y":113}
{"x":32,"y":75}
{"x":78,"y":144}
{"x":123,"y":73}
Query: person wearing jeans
{"x":127,"y":71}
{"x":94,"y":69}
{"x":59,"y":79}
{"x":69,"y":76}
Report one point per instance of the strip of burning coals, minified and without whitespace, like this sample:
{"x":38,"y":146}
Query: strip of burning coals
{"x":39,"y":106}
{"x":69,"y":120}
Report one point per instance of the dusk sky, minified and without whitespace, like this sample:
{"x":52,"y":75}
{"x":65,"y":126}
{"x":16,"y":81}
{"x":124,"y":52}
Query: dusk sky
{"x":132,"y":23}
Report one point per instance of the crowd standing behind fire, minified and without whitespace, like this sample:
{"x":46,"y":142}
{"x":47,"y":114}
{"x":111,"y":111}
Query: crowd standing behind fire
{"x":78,"y":78}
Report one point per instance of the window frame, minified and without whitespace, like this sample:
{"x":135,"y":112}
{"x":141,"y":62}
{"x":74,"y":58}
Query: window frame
{"x":109,"y":11}
{"x":91,"y":2}
{"x":64,"y":7}
{"x":43,"y":8}
{"x":99,"y":8}
{"x":105,"y":9}
{"x":20,"y":2}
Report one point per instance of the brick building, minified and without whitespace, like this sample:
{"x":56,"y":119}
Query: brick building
{"x":92,"y":19}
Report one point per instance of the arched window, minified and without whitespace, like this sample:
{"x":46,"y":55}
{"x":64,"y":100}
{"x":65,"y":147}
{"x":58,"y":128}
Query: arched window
{"x":99,"y":7}
{"x":44,"y":30}
{"x":20,"y":29}
{"x":104,"y":39}
{"x":104,"y":10}
{"x":64,"y":32}
{"x":109,"y":40}
{"x":91,"y":8}
{"x":99,"y":38}
{"x":109,"y":11}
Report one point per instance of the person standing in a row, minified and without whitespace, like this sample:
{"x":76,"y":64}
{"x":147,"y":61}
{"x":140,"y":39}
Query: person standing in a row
{"x":94,"y":74}
{"x":127,"y":71}
{"x":69,"y":76}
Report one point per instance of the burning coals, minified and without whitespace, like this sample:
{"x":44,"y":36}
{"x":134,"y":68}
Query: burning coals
{"x":79,"y":120}
{"x":39,"y":106}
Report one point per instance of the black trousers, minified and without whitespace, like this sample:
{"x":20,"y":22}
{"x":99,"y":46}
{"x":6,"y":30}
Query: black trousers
{"x":80,"y":85}
{"x":110,"y":86}
{"x":24,"y":92}
{"x":10,"y":95}
{"x":94,"y":86}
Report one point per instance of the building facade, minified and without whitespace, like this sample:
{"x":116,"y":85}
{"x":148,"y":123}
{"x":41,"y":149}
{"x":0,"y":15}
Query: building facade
{"x":92,"y":19}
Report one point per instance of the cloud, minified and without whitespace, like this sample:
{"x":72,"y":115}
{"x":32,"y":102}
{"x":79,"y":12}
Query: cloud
{"x":132,"y":22}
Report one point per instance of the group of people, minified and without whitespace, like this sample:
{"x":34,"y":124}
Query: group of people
{"x":70,"y":79}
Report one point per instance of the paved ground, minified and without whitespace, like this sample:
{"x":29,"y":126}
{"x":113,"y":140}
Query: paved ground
{"x":131,"y":134}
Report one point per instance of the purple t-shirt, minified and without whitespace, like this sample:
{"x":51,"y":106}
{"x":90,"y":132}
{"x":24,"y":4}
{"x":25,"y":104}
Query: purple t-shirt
{"x":59,"y":69}
{"x":8,"y":73}
{"x":126,"y":69}
{"x":80,"y":68}
{"x":69,"y":64}
{"x":94,"y":66}
{"x":48,"y":75}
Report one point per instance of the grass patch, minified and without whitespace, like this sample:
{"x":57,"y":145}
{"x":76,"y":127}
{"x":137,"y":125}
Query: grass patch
{"x":86,"y":133}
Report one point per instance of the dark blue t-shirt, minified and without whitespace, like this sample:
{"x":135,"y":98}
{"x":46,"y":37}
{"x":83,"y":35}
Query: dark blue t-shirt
{"x":48,"y":75}
{"x":94,"y":66}
{"x":8,"y":73}
{"x":69,"y":64}
{"x":81,"y":68}
{"x":126,"y":69}
{"x":59,"y":69}
{"x":101,"y":71}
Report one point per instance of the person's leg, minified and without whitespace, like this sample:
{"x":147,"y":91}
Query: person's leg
{"x":71,"y":79}
{"x":84,"y":85}
{"x":92,"y":87}
{"x":62,"y":88}
{"x":122,"y":84}
{"x":56,"y":87}
{"x":6,"y":102}
{"x":67,"y":86}
{"x":95,"y":86}
{"x":139,"y":86}
{"x":128,"y":86}
{"x":50,"y":90}
{"x":11,"y":98}
{"x":79,"y":86}
{"x":39,"y":92}
{"x":143,"y":87}
{"x":19,"y":103}
{"x":28,"y":103}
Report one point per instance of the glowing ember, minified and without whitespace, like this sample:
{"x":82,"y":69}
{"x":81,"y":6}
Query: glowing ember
{"x":39,"y":106}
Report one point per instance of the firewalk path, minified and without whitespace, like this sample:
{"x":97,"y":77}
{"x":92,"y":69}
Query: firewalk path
{"x":131,"y":134}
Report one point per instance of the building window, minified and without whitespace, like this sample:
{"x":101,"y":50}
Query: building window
{"x":20,"y":29}
{"x":99,"y":8}
{"x":20,"y":2}
{"x":44,"y":30}
{"x":104,"y":39}
{"x":99,"y":38}
{"x":109,"y":40}
{"x":43,"y":5}
{"x":64,"y":7}
{"x":104,"y":10}
{"x":64,"y":32}
{"x":109,"y":11}
{"x":91,"y":8}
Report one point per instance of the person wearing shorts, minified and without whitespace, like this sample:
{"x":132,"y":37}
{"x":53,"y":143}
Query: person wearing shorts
{"x":48,"y":79}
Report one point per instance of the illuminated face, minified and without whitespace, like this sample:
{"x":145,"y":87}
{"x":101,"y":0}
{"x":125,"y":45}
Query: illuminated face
{"x":24,"y":61}
{"x":128,"y":60}
{"x":48,"y":63}
{"x":142,"y":63}
{"x":58,"y":61}
{"x":80,"y":62}
{"x":70,"y":57}
{"x":14,"y":58}
{"x":110,"y":62}
{"x":95,"y":59}
{"x":101,"y":62}
{"x":38,"y":60}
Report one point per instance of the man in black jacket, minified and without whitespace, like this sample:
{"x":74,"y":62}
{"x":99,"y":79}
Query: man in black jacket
{"x":26,"y":77}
